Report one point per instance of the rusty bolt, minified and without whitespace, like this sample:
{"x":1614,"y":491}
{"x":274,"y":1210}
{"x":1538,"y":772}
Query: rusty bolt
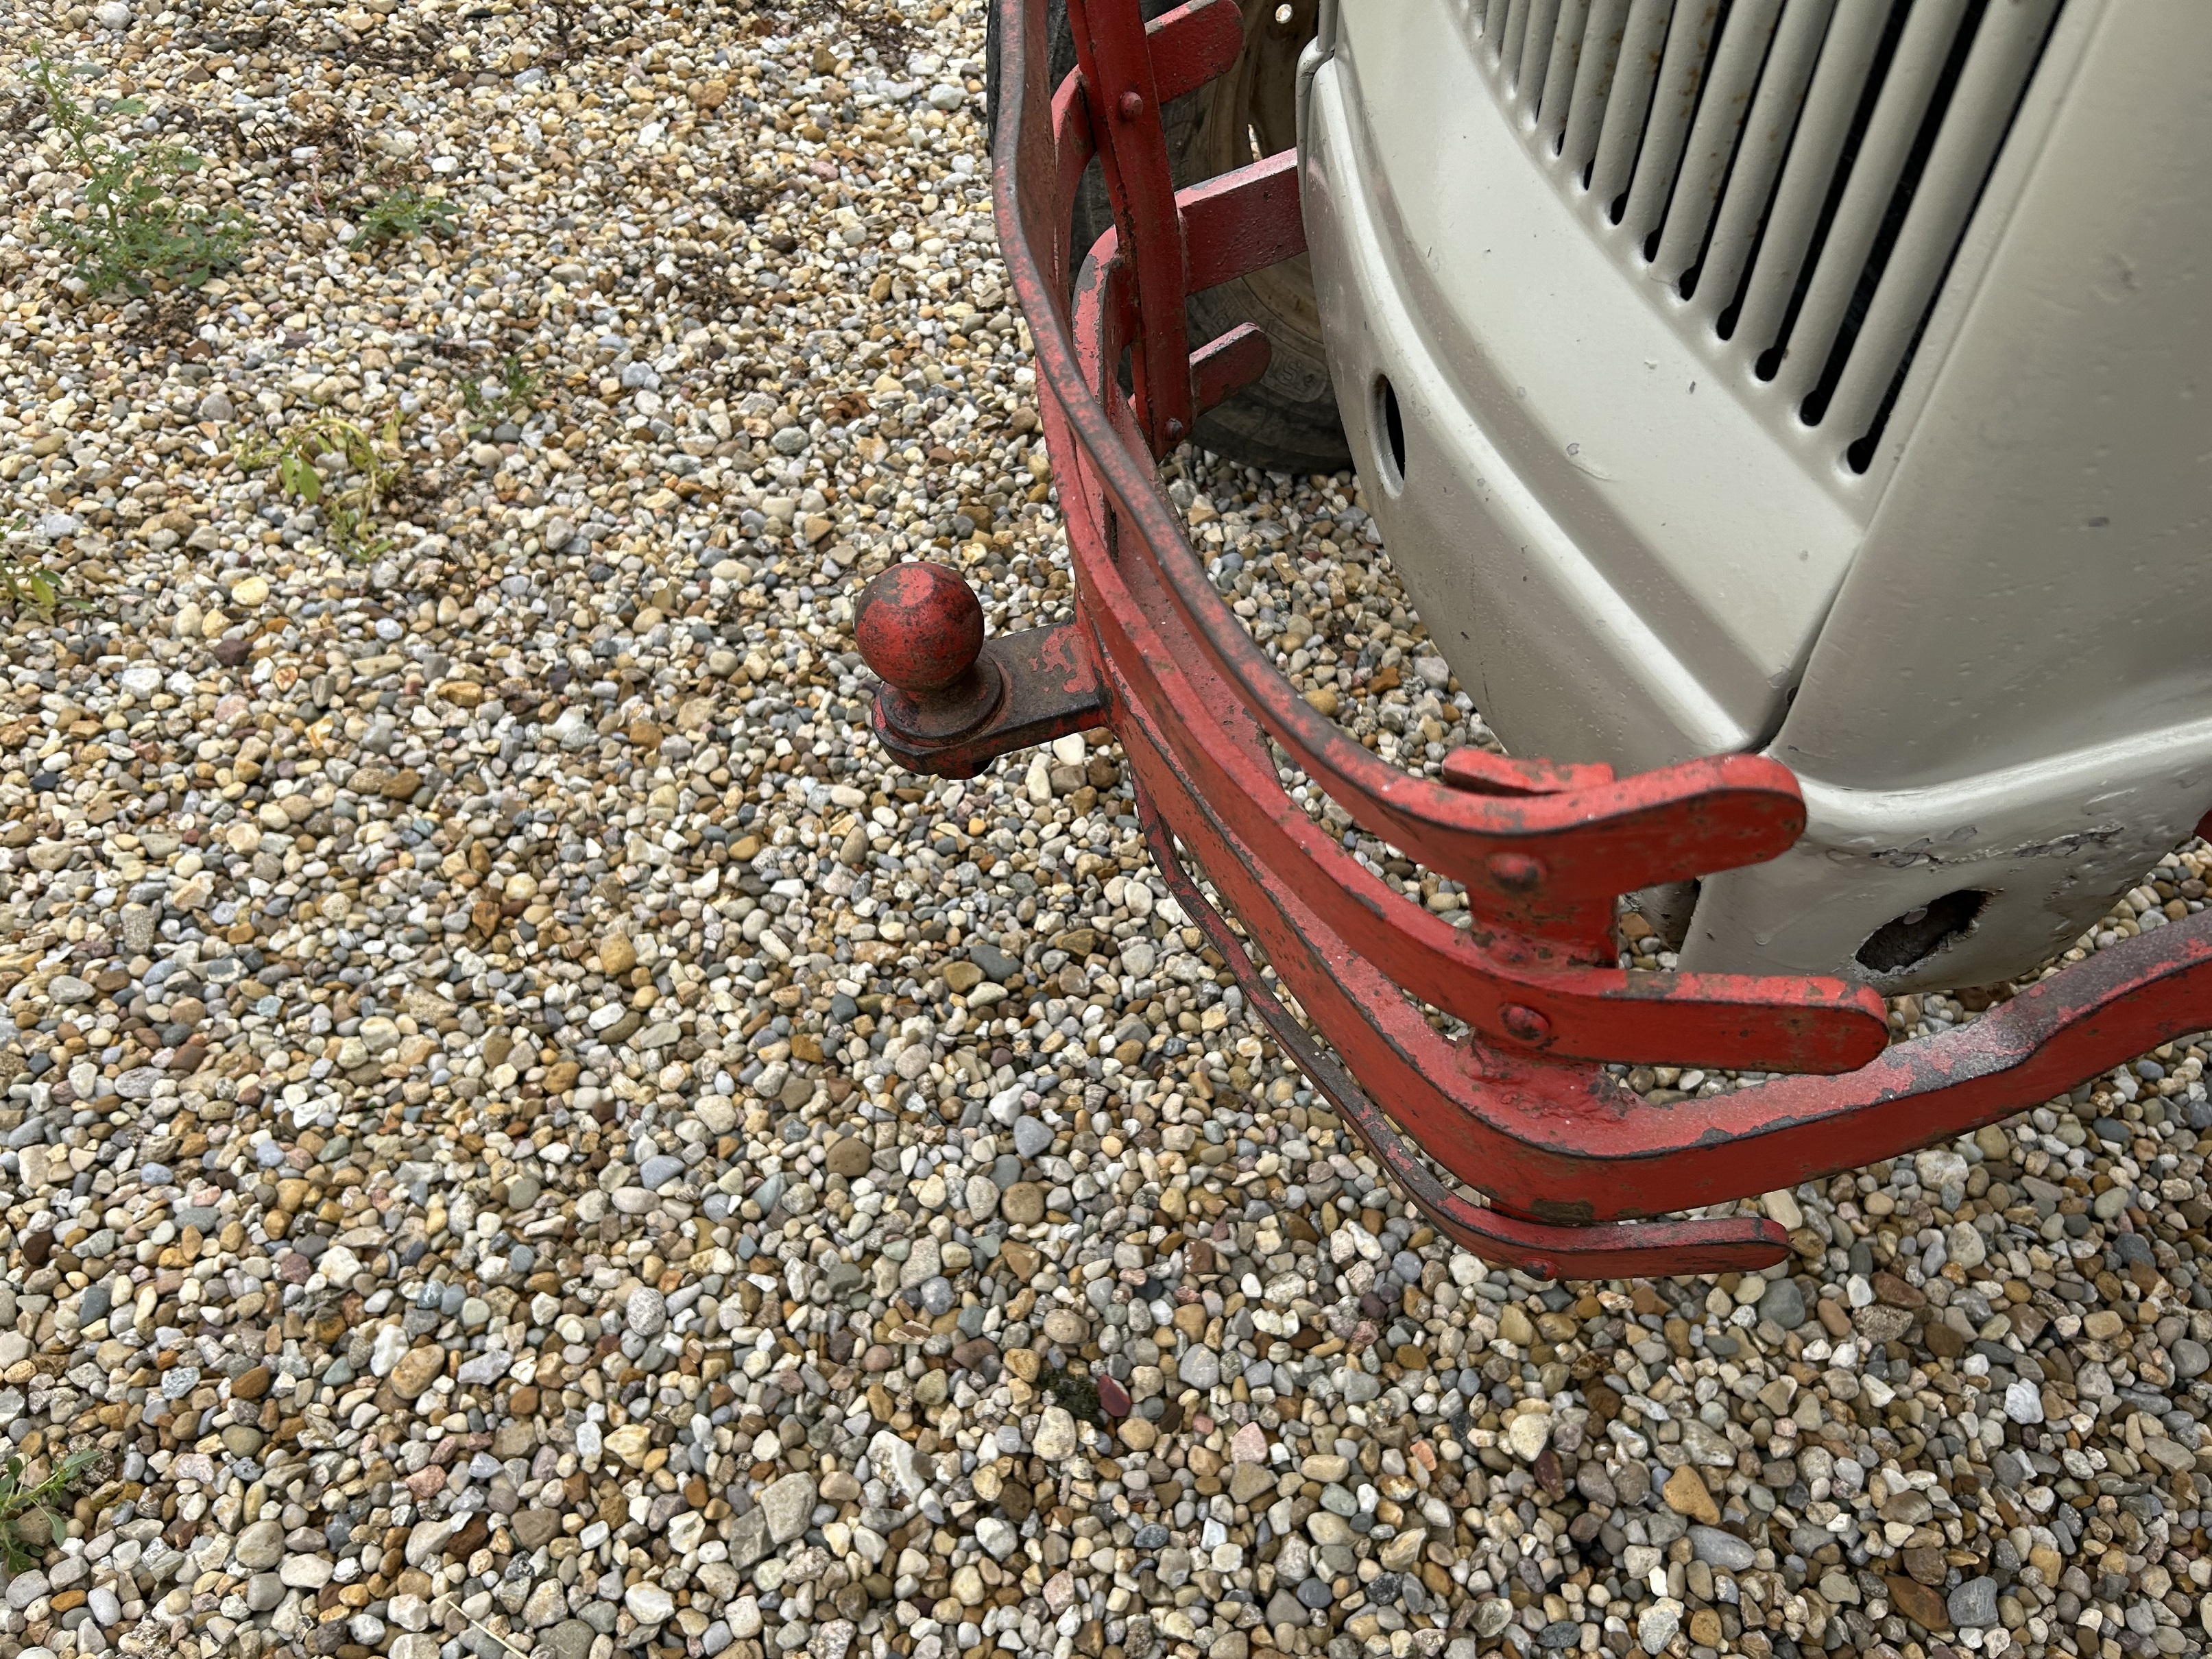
{"x":1516,"y":872}
{"x":1131,"y":106}
{"x":1524,"y":1025}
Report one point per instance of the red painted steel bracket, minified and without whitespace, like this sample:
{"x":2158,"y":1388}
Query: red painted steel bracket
{"x":1520,"y":1109}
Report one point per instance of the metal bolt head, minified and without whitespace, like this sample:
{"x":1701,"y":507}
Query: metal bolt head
{"x":1131,"y":106}
{"x":1515,"y":872}
{"x":920,"y":627}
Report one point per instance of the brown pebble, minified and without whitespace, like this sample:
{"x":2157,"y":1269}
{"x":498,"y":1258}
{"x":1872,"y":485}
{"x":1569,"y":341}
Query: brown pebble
{"x":1942,"y":1341}
{"x":1687,"y":1495}
{"x":418,"y":1367}
{"x":1917,"y":1602}
{"x":250,"y":1385}
{"x":850,"y":1158}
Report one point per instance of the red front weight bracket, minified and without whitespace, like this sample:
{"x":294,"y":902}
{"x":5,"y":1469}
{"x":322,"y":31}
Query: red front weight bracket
{"x":1522,"y":1110}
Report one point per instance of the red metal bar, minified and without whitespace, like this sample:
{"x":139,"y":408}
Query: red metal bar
{"x":1111,"y":45}
{"x":1517,"y":1109}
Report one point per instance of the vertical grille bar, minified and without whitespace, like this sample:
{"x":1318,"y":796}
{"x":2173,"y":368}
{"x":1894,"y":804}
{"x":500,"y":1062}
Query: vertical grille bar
{"x":1846,"y":57}
{"x":1601,"y":52}
{"x":1493,"y":26}
{"x":1719,"y":121}
{"x":1630,"y":101}
{"x":1897,"y":111}
{"x":1681,"y":76}
{"x":2003,"y":54}
{"x":1765,"y":141}
{"x":1536,"y":52}
{"x":1516,"y":35}
{"x":1560,"y":71}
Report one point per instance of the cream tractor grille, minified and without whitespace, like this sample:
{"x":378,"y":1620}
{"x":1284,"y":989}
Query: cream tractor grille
{"x":1795,"y":176}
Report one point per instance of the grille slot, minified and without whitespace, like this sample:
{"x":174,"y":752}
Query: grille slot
{"x":1799,"y":174}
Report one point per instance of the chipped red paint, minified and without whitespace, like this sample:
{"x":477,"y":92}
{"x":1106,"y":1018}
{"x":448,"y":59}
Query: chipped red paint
{"x":1572,"y":1164}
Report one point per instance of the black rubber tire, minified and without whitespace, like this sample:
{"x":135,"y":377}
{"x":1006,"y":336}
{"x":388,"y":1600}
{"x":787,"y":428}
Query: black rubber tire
{"x":1287,"y":420}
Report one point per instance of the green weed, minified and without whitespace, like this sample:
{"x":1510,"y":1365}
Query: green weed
{"x":18,"y":1502}
{"x":515,"y":391}
{"x":341,"y":468}
{"x":402,"y":213}
{"x":25,"y":585}
{"x":137,"y":230}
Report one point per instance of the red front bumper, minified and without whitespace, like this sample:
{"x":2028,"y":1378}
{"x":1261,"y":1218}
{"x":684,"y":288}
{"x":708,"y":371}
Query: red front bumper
{"x":1521,"y":1110}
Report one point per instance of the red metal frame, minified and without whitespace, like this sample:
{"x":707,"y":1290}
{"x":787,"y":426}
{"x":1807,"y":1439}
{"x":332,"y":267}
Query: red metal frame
{"x":1571,"y":1162}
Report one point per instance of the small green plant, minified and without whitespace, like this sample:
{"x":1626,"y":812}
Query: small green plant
{"x":402,"y":213}
{"x":19,"y":1503}
{"x":25,"y":584}
{"x":136,"y":231}
{"x":339,"y":467}
{"x":516,"y":389}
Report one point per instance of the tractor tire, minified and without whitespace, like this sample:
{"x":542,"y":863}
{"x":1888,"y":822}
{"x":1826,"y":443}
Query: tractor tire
{"x":1287,"y":420}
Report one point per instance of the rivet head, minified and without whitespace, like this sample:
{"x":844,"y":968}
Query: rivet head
{"x":1131,"y":105}
{"x":1524,"y":1025}
{"x":1515,"y":872}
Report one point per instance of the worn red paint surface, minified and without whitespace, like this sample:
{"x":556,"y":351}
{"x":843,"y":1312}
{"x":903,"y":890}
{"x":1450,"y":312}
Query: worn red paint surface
{"x":1519,"y":1109}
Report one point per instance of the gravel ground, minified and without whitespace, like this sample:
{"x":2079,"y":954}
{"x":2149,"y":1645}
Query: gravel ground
{"x":522,"y":1137}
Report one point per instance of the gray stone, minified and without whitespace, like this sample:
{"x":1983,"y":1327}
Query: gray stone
{"x":788,"y":1503}
{"x":998,"y":967}
{"x":1656,"y":1624}
{"x":1722,"y":1549}
{"x":26,"y":1588}
{"x":748,"y":1539}
{"x":1031,"y":1137}
{"x":548,"y":1605}
{"x":2190,"y":1357}
{"x":646,"y":1313}
{"x":1973,"y":1605}
{"x":260,"y":1545}
{"x":2023,"y":1403}
{"x":571,"y":1638}
{"x":1200,"y":1368}
{"x":1783,"y":1304}
{"x":659,"y":1171}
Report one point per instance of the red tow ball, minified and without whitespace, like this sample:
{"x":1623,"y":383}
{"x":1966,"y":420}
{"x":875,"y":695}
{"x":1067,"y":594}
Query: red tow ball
{"x":920,"y":630}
